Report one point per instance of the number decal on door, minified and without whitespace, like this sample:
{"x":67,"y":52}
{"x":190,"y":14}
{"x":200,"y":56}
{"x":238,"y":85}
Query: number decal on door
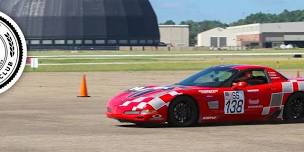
{"x":234,"y":102}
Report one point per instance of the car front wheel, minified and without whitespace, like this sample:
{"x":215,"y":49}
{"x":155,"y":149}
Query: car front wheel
{"x":183,"y":112}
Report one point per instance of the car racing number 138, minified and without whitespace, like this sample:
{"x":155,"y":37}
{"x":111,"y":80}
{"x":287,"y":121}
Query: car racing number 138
{"x":234,"y":102}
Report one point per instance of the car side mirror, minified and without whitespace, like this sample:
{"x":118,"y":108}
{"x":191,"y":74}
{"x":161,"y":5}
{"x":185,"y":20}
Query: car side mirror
{"x":239,"y":85}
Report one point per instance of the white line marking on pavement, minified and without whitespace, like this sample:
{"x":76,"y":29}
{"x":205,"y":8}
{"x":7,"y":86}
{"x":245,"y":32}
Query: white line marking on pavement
{"x":166,"y":55}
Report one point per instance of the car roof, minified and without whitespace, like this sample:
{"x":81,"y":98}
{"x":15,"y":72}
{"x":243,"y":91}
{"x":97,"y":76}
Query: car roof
{"x":243,"y":66}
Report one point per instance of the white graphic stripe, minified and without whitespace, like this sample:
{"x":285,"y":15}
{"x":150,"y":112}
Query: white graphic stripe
{"x":174,"y":93}
{"x":133,"y":101}
{"x":301,"y":86}
{"x":253,"y":91}
{"x":126,"y":104}
{"x":141,"y":105}
{"x":287,"y":87}
{"x":157,"y":103}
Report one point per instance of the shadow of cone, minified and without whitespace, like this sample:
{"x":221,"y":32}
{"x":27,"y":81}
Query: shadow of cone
{"x":83,"y":87}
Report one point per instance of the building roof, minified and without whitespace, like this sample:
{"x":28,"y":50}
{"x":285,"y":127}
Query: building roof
{"x":264,"y":27}
{"x":84,"y":19}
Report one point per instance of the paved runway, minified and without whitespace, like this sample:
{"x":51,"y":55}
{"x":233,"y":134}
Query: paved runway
{"x":42,"y":113}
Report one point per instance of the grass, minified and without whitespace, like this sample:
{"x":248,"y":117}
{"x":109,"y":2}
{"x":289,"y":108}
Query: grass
{"x":158,"y":63}
{"x":85,"y":60}
{"x":164,"y":65}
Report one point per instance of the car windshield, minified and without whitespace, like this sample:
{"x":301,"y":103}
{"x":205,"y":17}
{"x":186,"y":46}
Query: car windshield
{"x":212,"y":77}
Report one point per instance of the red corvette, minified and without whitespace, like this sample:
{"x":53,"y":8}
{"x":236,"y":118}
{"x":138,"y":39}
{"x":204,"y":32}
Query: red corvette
{"x":228,"y":93}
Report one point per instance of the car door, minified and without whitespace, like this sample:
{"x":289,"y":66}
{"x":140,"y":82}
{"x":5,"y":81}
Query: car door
{"x":246,"y":101}
{"x":257,"y":97}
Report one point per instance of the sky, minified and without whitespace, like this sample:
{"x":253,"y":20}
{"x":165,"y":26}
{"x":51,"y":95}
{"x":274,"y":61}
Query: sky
{"x":226,"y":11}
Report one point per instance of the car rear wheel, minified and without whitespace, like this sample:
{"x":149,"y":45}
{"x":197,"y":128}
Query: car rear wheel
{"x":294,"y":108}
{"x":183,"y":112}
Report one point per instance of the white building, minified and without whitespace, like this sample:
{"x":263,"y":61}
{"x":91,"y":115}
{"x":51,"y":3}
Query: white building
{"x":174,"y":35}
{"x":254,"y":35}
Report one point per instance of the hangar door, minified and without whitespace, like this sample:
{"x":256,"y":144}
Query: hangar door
{"x":218,"y":41}
{"x":213,"y":41}
{"x":223,"y":41}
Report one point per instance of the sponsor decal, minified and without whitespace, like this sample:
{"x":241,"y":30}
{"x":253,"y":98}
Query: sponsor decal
{"x":254,"y":101}
{"x":208,"y":91}
{"x":213,"y":105}
{"x":273,"y":75}
{"x":210,"y":118}
{"x":13,"y":52}
{"x":255,"y":107}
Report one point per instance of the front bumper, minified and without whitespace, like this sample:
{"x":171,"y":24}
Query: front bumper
{"x":137,"y":118}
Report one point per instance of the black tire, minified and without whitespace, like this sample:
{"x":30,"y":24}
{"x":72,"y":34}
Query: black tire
{"x":294,"y":108}
{"x":183,"y":112}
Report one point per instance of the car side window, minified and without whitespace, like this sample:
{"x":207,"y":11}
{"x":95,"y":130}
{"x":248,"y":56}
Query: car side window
{"x":214,"y":77}
{"x":252,"y":77}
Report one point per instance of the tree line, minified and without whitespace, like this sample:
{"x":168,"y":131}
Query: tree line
{"x":201,"y":26}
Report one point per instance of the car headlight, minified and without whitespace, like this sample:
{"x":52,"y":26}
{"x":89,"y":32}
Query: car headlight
{"x":145,"y":112}
{"x":132,"y":112}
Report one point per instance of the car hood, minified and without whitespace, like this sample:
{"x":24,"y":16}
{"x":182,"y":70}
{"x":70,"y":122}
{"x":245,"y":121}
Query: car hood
{"x":150,"y":92}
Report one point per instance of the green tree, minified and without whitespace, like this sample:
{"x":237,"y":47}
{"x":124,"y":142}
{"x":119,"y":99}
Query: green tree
{"x":285,"y":16}
{"x":168,"y":22}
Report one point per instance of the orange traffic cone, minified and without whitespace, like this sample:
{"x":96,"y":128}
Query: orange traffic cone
{"x":83,"y":87}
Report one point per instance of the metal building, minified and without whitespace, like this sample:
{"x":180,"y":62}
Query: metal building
{"x":267,"y":35}
{"x":174,"y":35}
{"x":76,"y":24}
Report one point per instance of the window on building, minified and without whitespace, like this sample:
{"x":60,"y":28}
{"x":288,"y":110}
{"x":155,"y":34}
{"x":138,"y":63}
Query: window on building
{"x":47,"y":42}
{"x":70,"y":42}
{"x":133,"y":42}
{"x":112,"y":42}
{"x":150,"y":42}
{"x":78,"y":42}
{"x":142,"y":42}
{"x":100,"y":42}
{"x":88,"y":41}
{"x":123,"y":42}
{"x":157,"y":41}
{"x":59,"y":42}
{"x":35,"y":42}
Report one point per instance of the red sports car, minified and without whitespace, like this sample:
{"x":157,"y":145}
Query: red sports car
{"x":227,"y":93}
